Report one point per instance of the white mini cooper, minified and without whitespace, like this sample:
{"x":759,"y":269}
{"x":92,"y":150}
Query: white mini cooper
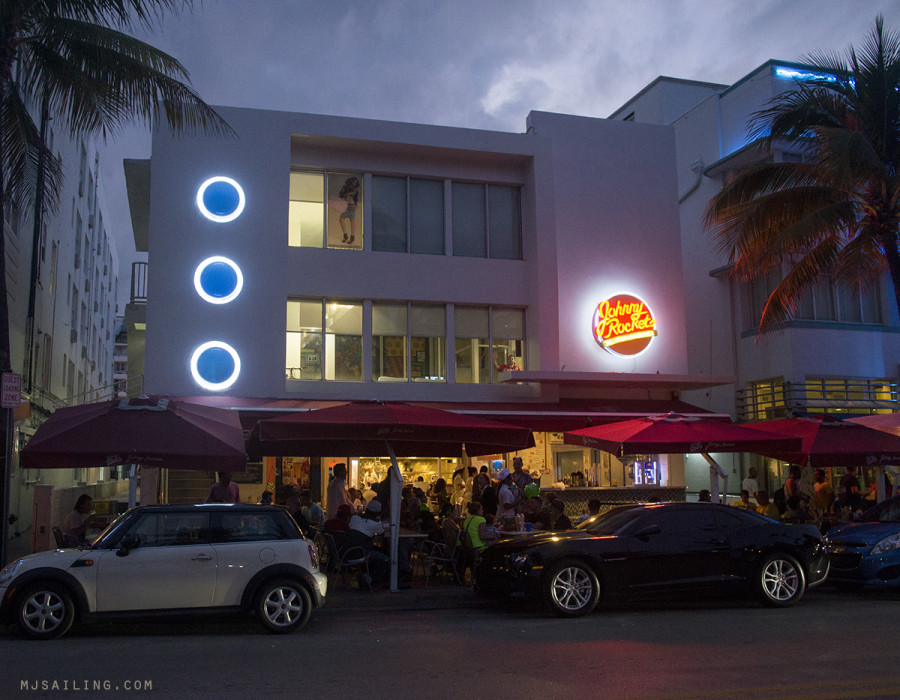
{"x":173,"y":558}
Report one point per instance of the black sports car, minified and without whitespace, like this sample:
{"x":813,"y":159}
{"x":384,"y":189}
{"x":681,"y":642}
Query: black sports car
{"x":638,"y":550}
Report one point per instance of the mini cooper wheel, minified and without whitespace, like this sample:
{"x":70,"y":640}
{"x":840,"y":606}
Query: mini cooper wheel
{"x":780,"y":580}
{"x":283,"y":606}
{"x":571,"y":589}
{"x":45,"y":611}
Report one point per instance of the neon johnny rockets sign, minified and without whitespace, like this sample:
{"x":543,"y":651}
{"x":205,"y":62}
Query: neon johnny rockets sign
{"x":623,"y":325}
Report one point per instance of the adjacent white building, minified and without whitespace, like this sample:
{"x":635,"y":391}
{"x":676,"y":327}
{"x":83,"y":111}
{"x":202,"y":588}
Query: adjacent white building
{"x":62,"y":285}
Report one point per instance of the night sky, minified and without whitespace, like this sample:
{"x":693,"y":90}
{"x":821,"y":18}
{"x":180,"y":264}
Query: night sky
{"x":475,"y":63}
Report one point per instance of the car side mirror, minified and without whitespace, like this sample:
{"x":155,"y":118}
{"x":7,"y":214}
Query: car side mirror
{"x":128,"y":543}
{"x":645,"y":532}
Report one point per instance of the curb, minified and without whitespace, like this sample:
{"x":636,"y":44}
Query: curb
{"x":416,"y":598}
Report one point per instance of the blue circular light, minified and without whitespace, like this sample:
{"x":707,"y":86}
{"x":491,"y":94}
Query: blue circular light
{"x":215,"y":365}
{"x":218,"y":280}
{"x":221,"y":199}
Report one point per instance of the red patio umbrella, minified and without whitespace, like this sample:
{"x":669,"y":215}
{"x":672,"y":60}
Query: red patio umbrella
{"x":828,"y":441}
{"x":146,"y":431}
{"x":377,"y":428}
{"x":888,"y":422}
{"x":363,"y":427}
{"x":150,"y":431}
{"x":674,"y":433}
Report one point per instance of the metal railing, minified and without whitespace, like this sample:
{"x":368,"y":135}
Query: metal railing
{"x":787,"y":399}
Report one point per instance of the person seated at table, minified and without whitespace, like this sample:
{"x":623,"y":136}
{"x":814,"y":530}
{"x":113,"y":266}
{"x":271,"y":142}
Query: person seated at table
{"x":312,"y":512}
{"x":475,"y":530}
{"x":593,"y":509}
{"x":338,"y":526}
{"x":361,"y":532}
{"x":79,"y":521}
{"x":766,"y":507}
{"x":558,"y":519}
{"x":744,"y":501}
{"x":535,"y":514}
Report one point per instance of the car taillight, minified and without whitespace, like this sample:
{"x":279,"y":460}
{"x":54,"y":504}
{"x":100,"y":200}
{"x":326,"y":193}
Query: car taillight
{"x":313,"y":555}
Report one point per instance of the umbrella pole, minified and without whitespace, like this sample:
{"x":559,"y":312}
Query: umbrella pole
{"x":132,"y":486}
{"x":715,"y":471}
{"x":395,"y":516}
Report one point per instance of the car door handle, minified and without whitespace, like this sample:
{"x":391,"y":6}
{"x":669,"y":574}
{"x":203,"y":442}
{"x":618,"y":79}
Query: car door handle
{"x":201,"y":557}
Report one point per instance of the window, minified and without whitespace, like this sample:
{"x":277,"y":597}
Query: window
{"x":488,"y":341}
{"x":407,"y":215}
{"x":326,"y":209}
{"x":765,"y":399}
{"x":469,"y":220}
{"x":408,"y":342}
{"x":850,"y":395}
{"x":336,"y":353}
{"x":309,"y":219}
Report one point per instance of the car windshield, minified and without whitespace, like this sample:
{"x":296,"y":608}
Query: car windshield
{"x":99,"y":539}
{"x":887,"y":512}
{"x":610,"y":522}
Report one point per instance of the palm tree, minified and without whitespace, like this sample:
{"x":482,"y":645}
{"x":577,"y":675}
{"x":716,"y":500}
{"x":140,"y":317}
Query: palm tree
{"x":836,"y":213}
{"x":74,"y":61}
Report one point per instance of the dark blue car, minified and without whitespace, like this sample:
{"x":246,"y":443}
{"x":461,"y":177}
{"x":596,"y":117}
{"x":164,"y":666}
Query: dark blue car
{"x":866,"y":552}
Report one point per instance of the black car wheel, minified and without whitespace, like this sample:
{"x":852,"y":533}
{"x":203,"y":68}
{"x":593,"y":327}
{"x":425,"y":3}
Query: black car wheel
{"x":571,"y":589}
{"x":45,"y":610}
{"x":283,"y":606}
{"x":780,"y":580}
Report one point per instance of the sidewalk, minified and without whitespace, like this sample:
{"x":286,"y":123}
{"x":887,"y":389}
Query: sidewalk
{"x":437,"y":596}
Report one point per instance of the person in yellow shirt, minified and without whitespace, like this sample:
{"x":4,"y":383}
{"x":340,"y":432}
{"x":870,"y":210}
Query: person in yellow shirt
{"x":766,"y":507}
{"x":744,"y":501}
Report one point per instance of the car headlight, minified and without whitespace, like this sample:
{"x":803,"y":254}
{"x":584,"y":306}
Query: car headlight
{"x":10,"y":570}
{"x":888,"y":544}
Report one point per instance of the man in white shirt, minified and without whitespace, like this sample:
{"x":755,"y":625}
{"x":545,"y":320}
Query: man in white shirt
{"x":337,"y":494}
{"x":750,"y":484}
{"x":505,"y":500}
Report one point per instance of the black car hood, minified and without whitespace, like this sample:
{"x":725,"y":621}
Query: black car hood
{"x":539,"y":539}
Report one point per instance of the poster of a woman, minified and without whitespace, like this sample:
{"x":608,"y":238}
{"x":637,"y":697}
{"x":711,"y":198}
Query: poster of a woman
{"x":345,"y":211}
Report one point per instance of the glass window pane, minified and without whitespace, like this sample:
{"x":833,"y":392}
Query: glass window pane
{"x":428,"y":359}
{"x":849,"y":309}
{"x":471,"y":361}
{"x":824,"y":299}
{"x":306,"y":209}
{"x":508,"y":323}
{"x":389,"y":358}
{"x":389,"y":351}
{"x":345,"y":210}
{"x":426,"y":217}
{"x":389,"y":214}
{"x":343,"y":341}
{"x":428,"y":321}
{"x":389,"y":319}
{"x":304,"y":356}
{"x":304,"y":315}
{"x":504,"y":222}
{"x":469,"y":220}
{"x":471,"y":321}
{"x":428,"y":344}
{"x":871,"y":304}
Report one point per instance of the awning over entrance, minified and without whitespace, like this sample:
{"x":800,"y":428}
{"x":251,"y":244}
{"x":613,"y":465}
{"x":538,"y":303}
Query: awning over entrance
{"x":561,"y":416}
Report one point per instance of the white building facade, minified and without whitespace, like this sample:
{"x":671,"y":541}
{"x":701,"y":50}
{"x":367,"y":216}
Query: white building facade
{"x":62,"y":288}
{"x":841,"y":353}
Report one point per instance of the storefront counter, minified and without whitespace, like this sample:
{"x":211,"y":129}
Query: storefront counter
{"x":576,"y":497}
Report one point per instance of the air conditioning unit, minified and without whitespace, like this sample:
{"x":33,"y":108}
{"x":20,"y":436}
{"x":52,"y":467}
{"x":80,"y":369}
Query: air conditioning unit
{"x":73,"y":335}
